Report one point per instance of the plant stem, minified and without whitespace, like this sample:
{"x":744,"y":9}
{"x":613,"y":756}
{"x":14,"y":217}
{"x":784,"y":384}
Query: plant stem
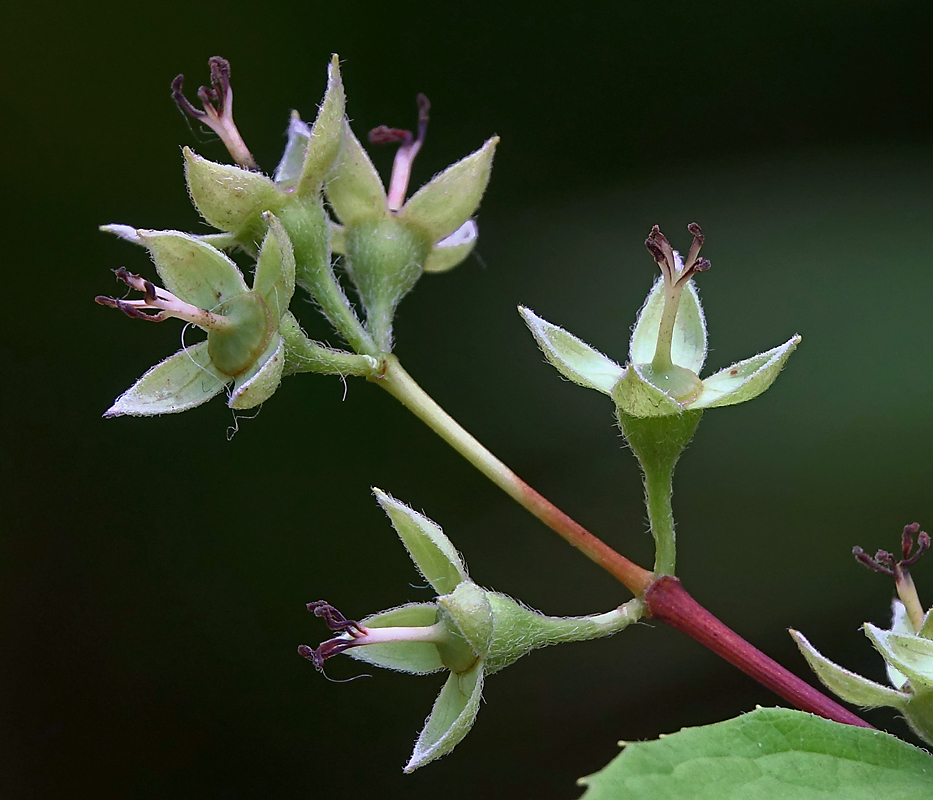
{"x":659,"y":487}
{"x":669,"y":602}
{"x":397,"y":382}
{"x":666,"y":599}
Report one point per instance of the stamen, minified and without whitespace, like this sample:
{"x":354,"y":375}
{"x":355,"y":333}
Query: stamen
{"x":405,"y":156}
{"x":885,"y":563}
{"x":698,"y":239}
{"x":165,"y":303}
{"x":218,"y":110}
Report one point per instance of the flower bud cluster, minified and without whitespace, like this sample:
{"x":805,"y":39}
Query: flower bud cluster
{"x":281,"y":221}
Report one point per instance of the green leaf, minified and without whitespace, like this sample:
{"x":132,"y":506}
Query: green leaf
{"x":572,"y":357}
{"x":746,"y":379}
{"x":688,"y":344}
{"x":850,"y":686}
{"x":354,"y":188}
{"x":444,"y":204}
{"x":451,"y":718}
{"x":275,"y":269}
{"x":192,"y":270}
{"x":183,"y":381}
{"x":769,"y":754}
{"x":434,"y":555}
{"x":418,"y":658}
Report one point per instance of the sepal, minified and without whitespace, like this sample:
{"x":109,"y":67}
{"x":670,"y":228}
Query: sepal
{"x":848,"y":685}
{"x":688,"y":344}
{"x":909,"y":654}
{"x":353,"y":188}
{"x":638,"y":397}
{"x":451,"y":718}
{"x":444,"y":204}
{"x":260,"y":381}
{"x":452,"y":251}
{"x":231,"y":198}
{"x":433,"y":553}
{"x":184,"y":380}
{"x":747,"y":379}
{"x":572,"y":357}
{"x":326,"y":134}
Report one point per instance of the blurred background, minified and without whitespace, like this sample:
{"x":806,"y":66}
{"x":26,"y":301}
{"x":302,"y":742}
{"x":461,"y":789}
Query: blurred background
{"x":155,"y":571}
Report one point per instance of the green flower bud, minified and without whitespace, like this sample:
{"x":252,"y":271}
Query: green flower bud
{"x":388,"y":242}
{"x":667,"y":348}
{"x":249,"y":331}
{"x":468,"y":630}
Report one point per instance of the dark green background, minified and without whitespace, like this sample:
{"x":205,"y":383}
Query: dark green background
{"x":155,"y":573}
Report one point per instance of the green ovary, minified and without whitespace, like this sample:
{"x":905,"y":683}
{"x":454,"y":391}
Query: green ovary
{"x":680,"y":383}
{"x":236,"y":351}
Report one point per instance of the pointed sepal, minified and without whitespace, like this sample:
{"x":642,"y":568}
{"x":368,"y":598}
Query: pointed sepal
{"x":434,"y":555}
{"x":353,"y":188}
{"x":451,"y":718}
{"x":260,"y":381}
{"x":326,"y":134}
{"x":747,"y":379}
{"x":851,"y":687}
{"x":688,"y":343}
{"x":194,"y":271}
{"x":909,"y":654}
{"x":572,"y":357}
{"x":230,"y":198}
{"x":445,"y":203}
{"x":275,"y":269}
{"x":184,"y":380}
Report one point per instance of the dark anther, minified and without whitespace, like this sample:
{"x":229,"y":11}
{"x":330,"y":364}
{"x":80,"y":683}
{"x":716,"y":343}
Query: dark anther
{"x":215,"y":96}
{"x":386,"y":135}
{"x":697,"y":233}
{"x":150,"y":292}
{"x":656,"y":252}
{"x":123,"y":274}
{"x":334,"y":619}
{"x":885,"y":562}
{"x":701,"y":265}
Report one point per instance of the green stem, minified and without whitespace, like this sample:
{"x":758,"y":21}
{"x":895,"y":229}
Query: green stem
{"x":657,"y":443}
{"x":397,"y":382}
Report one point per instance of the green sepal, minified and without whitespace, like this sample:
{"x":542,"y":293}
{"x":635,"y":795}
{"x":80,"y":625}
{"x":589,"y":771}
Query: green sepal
{"x":192,"y":270}
{"x":231,"y":198}
{"x":434,"y":555}
{"x":353,"y":187}
{"x":909,"y":654}
{"x":850,"y":686}
{"x":572,"y":357}
{"x":184,"y":380}
{"x":688,"y":344}
{"x":745,"y":380}
{"x":326,"y":134}
{"x":260,"y":381}
{"x":635,"y":396}
{"x":274,"y":281}
{"x":449,"y":252}
{"x":451,"y":718}
{"x":446,"y":202}
{"x":417,"y":658}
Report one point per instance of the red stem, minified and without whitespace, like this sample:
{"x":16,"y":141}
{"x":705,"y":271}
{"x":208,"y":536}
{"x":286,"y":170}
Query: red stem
{"x":668,"y":601}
